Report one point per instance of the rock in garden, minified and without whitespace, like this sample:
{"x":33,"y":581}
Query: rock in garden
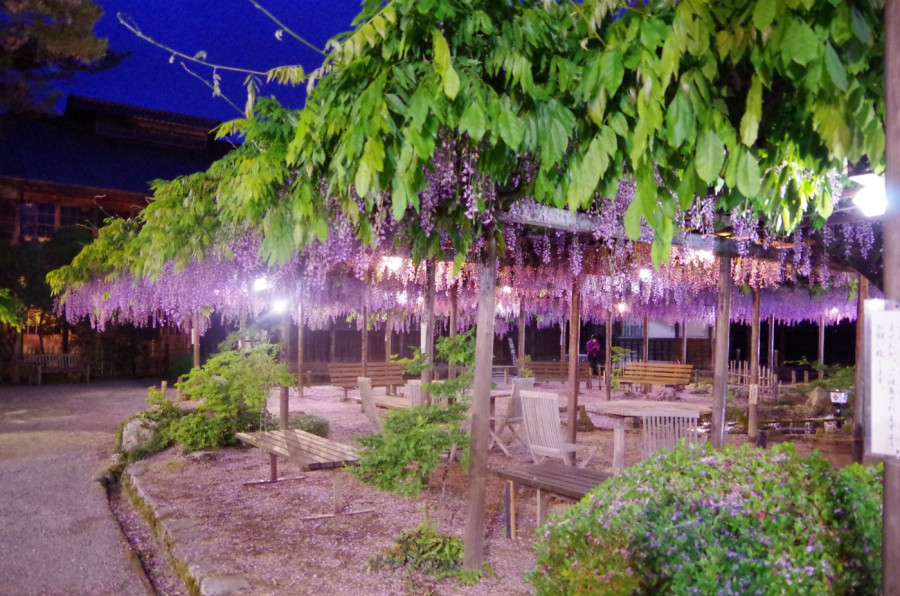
{"x":818,"y":401}
{"x":137,"y":433}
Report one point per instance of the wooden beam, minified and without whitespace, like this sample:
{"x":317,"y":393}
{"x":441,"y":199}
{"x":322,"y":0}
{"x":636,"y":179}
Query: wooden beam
{"x":720,"y":358}
{"x":473,"y":537}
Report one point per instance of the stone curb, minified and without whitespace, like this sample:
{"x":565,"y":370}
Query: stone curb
{"x":191,"y":557}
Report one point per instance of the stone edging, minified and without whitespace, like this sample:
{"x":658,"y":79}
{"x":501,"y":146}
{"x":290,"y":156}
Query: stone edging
{"x":190,"y":557}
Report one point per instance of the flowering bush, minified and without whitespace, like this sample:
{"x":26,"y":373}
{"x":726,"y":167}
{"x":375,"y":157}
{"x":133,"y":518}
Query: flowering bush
{"x":734,"y":521}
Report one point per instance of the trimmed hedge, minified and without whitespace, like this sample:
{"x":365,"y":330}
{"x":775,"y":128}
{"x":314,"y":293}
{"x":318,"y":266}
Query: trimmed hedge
{"x":695,"y":520}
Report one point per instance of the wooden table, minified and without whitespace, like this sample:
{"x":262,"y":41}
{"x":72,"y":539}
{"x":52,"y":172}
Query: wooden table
{"x":568,"y":481}
{"x":620,"y":409}
{"x":389,"y":402}
{"x":310,"y":451}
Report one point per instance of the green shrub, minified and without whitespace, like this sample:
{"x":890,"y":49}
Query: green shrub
{"x":403,"y":455}
{"x":732,"y":521}
{"x":309,"y":423}
{"x":422,"y":548}
{"x":233,"y":387}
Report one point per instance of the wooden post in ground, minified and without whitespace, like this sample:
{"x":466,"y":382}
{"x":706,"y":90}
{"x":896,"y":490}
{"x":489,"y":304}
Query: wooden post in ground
{"x":521,"y":346}
{"x":753,"y":412}
{"x":388,"y":325}
{"x":451,"y":370}
{"x":195,"y":337}
{"x":645,"y":357}
{"x":821,"y":346}
{"x":891,"y":495}
{"x":284,"y":393}
{"x":772,"y":360}
{"x":300,"y":363}
{"x":609,"y":361}
{"x":720,"y":358}
{"x":860,"y":390}
{"x":473,"y":537}
{"x":428,"y":327}
{"x":684,"y":341}
{"x":562,"y":341}
{"x":572,"y":395}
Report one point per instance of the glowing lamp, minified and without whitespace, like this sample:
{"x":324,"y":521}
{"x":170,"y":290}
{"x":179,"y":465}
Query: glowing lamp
{"x":260,"y":284}
{"x":871,"y":197}
{"x":279,"y":306}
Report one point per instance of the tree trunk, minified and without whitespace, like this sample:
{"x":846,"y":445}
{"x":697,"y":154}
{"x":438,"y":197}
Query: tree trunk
{"x":753,"y":412}
{"x":720,"y":359}
{"x":562,"y":341}
{"x":860,"y":390}
{"x":684,"y":341}
{"x":480,"y":412}
{"x":284,"y":393}
{"x":574,"y":324}
{"x":364,"y":356}
{"x":771,"y":353}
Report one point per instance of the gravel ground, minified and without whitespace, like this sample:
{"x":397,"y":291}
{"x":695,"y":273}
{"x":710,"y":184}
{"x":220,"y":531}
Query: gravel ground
{"x":57,"y":534}
{"x":282,"y":540}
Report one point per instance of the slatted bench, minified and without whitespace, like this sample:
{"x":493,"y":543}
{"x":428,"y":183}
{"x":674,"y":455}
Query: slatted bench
{"x":656,"y":373}
{"x":560,"y":479}
{"x":43,"y":364}
{"x":309,"y":451}
{"x":383,"y":374}
{"x":544,"y":371}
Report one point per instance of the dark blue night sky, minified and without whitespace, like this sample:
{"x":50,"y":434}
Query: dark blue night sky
{"x":231,"y":32}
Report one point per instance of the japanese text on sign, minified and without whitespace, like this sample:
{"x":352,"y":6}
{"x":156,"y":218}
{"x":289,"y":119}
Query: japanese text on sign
{"x":884,"y":382}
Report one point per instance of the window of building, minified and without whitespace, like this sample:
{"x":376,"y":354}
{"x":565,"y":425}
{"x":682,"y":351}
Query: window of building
{"x":76,"y":216}
{"x":37,"y":221}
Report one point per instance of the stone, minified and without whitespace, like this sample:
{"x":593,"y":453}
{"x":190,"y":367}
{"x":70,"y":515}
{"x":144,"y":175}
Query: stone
{"x":818,"y":401}
{"x":222,"y":585}
{"x":138,"y":433}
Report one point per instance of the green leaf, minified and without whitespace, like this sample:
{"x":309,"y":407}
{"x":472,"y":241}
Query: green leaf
{"x":800,"y":42}
{"x":709,"y":157}
{"x":686,"y":188}
{"x":752,"y":113}
{"x":764,"y":13}
{"x":748,"y":178}
{"x":860,"y":26}
{"x":451,"y":83}
{"x":473,"y":120}
{"x":555,"y":143}
{"x":835,"y":68}
{"x":680,"y":121}
{"x":633,"y":220}
{"x":399,"y":199}
{"x":661,"y":248}
{"x":612,"y":71}
{"x":322,"y":229}
{"x":512,"y":131}
{"x":586,"y":175}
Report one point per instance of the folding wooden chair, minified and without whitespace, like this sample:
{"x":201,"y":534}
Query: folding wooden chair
{"x":513,"y":417}
{"x":544,"y":431}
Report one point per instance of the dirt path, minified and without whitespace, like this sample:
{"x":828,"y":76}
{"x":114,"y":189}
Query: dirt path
{"x":57,"y":534}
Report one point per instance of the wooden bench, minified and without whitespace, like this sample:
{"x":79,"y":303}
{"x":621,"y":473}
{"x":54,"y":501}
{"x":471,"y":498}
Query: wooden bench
{"x":560,"y":479}
{"x":43,"y":364}
{"x":309,"y":451}
{"x":383,"y":374}
{"x":656,"y":373}
{"x":544,"y":371}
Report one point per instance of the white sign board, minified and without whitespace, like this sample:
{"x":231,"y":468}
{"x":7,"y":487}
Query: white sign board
{"x":754,"y":394}
{"x":883,"y":368}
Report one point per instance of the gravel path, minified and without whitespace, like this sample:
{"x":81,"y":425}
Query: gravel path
{"x":57,"y":534}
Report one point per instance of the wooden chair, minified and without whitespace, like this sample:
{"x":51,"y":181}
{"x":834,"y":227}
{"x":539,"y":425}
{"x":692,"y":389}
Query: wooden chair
{"x":542,"y":427}
{"x":513,"y":417}
{"x":367,"y":396}
{"x":662,"y":429}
